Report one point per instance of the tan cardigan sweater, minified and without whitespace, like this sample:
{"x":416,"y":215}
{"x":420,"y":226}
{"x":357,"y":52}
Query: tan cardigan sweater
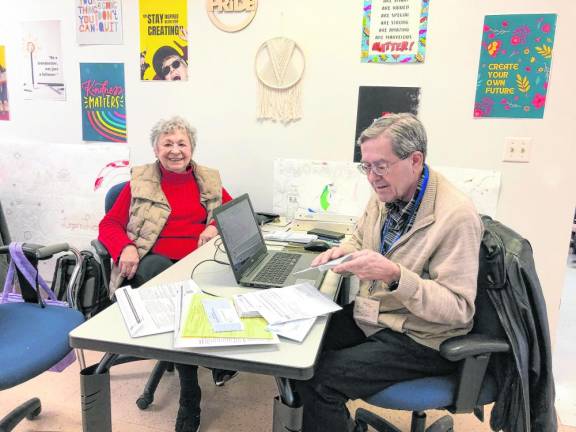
{"x":438,"y":260}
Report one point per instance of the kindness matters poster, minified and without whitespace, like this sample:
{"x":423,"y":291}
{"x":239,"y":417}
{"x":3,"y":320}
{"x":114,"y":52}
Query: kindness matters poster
{"x":394,"y":31}
{"x":514,"y":69}
{"x":99,"y":22}
{"x":103,"y":102}
{"x":163,"y":40}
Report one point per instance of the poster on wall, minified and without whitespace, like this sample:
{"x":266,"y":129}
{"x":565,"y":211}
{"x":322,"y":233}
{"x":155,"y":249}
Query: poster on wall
{"x":514,"y":69}
{"x":42,"y":70}
{"x":103,"y":102}
{"x":99,"y":22}
{"x":4,"y":108}
{"x":394,"y":31}
{"x":375,"y":101}
{"x":163,"y":40}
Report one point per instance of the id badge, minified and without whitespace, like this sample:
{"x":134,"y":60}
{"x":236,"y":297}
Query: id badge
{"x":366,"y":310}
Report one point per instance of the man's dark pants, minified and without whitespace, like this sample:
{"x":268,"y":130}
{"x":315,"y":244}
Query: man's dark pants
{"x":354,"y":366}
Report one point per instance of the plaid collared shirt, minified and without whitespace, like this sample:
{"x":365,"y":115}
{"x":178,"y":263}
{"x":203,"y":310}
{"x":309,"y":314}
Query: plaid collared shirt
{"x":400,"y":218}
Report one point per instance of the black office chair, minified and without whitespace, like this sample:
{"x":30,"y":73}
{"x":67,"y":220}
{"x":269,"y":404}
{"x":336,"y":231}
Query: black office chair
{"x":147,"y":396}
{"x":475,"y":384}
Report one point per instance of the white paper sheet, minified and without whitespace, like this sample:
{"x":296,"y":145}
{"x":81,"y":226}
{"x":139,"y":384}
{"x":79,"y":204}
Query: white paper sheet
{"x":150,"y":310}
{"x":295,"y":302}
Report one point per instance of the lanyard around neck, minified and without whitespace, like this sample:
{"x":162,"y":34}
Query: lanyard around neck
{"x":388,"y":222}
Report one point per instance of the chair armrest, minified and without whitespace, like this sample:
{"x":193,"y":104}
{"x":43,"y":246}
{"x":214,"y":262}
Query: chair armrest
{"x":460,"y":347}
{"x":100,"y":249}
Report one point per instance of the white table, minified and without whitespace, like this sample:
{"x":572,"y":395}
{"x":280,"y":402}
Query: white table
{"x":106,"y":332}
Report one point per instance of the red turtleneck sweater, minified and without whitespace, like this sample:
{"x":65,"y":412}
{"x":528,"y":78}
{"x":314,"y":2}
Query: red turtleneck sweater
{"x":179,"y":236}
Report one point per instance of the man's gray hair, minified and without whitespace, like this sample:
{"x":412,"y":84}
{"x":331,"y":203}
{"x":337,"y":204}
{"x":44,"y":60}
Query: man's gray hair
{"x":404,"y":130}
{"x":169,"y":126}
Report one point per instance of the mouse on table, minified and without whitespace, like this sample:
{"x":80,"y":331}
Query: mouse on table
{"x":317,"y":246}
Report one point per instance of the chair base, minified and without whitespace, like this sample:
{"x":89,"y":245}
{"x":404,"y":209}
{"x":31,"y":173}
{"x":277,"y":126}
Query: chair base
{"x":29,"y":409}
{"x":364,"y":418}
{"x":147,"y":396}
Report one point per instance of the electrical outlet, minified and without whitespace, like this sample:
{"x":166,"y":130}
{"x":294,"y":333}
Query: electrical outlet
{"x":517,"y":149}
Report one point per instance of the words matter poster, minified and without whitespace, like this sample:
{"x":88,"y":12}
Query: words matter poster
{"x":394,"y":31}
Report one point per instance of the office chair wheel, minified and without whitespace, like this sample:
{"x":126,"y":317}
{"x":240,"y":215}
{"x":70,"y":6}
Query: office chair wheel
{"x":443,"y":424}
{"x":144,"y":401}
{"x":33,"y":403}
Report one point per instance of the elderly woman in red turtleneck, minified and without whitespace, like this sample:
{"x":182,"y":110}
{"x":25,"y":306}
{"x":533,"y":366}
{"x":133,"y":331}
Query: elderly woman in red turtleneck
{"x":162,"y":215}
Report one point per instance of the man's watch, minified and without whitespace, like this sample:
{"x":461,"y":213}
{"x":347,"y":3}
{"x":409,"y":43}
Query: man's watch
{"x":393,"y":285}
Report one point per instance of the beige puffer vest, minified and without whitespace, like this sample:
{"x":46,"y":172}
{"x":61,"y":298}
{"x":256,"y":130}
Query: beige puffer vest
{"x":149,"y":208}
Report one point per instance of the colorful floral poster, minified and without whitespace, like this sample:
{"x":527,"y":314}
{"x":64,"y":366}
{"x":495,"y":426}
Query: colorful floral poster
{"x":4,"y":108}
{"x":164,"y":40}
{"x":42,"y":70}
{"x":514,"y":69}
{"x":376,"y":101}
{"x":103,"y":102}
{"x":98,"y":22}
{"x":394,"y":31}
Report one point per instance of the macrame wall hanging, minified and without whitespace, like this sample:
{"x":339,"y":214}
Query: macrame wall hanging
{"x":279,"y":67}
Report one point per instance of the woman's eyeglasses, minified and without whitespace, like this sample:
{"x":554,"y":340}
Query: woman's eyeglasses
{"x":174,"y":65}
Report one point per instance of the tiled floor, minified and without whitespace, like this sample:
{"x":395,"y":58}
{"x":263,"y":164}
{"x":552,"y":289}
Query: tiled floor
{"x":242,"y":405}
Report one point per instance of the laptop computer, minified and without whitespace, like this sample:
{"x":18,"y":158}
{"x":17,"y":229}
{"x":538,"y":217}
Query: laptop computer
{"x":251,"y":261}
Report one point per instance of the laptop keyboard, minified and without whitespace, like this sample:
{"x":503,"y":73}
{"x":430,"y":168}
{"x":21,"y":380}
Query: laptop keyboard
{"x":277,"y":270}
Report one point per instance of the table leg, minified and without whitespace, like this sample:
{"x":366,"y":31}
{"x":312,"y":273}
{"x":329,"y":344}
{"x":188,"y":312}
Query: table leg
{"x":287,"y":415}
{"x":95,"y":395}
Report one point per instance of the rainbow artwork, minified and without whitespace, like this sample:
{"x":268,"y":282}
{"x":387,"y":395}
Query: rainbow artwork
{"x":103,"y":102}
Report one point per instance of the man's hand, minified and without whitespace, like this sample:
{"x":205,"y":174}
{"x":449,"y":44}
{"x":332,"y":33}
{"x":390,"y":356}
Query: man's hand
{"x":370,"y":265}
{"x":329,"y":255}
{"x":208,"y":234}
{"x":128,"y":261}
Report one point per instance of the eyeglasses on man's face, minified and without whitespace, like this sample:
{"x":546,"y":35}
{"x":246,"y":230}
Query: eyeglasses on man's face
{"x":379,"y":168}
{"x":174,"y":65}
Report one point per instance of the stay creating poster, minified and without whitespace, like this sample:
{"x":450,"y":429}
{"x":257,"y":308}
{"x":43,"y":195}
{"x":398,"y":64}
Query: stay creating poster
{"x":376,"y":101}
{"x":42,"y":70}
{"x":514,"y":70}
{"x":394,"y":31}
{"x":4,"y":108}
{"x":163,"y":40}
{"x":99,"y":22}
{"x":103,"y":102}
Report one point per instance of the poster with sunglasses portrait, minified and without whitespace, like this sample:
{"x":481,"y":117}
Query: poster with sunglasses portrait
{"x":163,"y":40}
{"x":375,"y":101}
{"x":103,"y":102}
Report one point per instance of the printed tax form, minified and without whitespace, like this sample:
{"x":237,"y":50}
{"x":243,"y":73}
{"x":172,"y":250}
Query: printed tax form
{"x":150,"y":310}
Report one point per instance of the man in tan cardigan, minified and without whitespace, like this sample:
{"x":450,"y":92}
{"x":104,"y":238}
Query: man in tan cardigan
{"x":415,"y":252}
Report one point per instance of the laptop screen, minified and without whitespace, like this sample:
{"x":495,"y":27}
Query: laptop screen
{"x":240,"y":233}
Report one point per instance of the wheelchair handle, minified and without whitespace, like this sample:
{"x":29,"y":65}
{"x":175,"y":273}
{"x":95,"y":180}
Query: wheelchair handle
{"x":47,"y":251}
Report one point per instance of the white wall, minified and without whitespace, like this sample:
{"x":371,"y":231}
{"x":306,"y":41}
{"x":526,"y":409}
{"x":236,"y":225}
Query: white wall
{"x":537,"y":198}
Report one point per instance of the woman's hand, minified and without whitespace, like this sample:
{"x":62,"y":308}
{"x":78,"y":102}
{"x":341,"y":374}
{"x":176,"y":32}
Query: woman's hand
{"x":128,"y":261}
{"x":208,"y":234}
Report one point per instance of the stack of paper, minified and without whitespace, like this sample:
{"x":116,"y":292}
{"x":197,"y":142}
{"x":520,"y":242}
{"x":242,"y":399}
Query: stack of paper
{"x":193,"y":328}
{"x":150,"y":310}
{"x":290,"y":311}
